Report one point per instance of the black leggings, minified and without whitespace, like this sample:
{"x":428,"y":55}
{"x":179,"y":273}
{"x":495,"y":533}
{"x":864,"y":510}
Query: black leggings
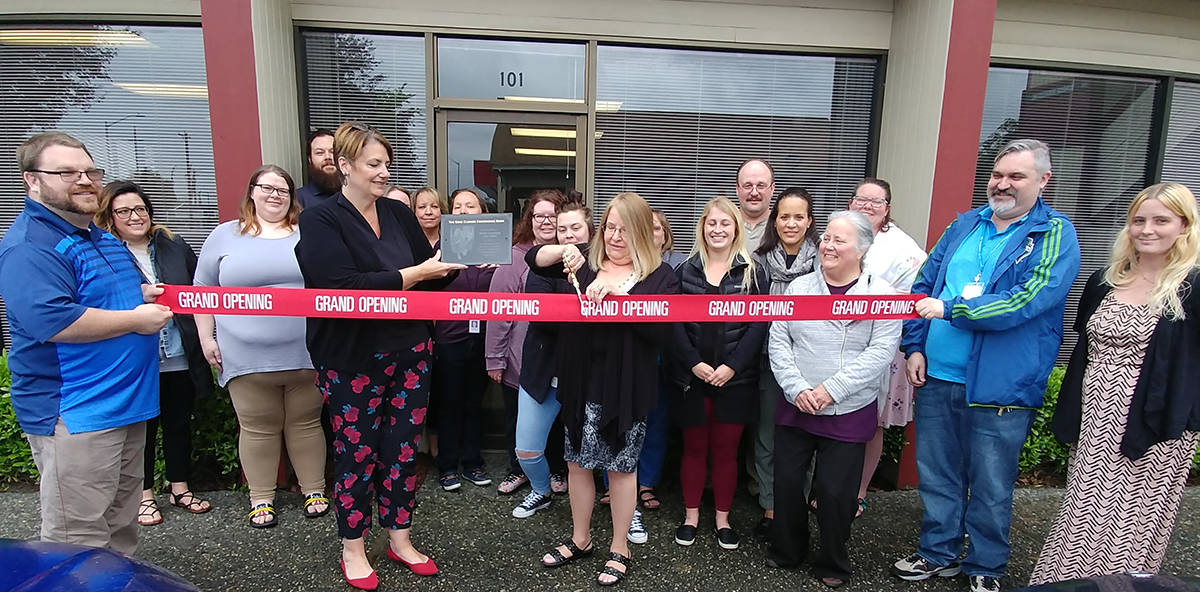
{"x":176,"y":400}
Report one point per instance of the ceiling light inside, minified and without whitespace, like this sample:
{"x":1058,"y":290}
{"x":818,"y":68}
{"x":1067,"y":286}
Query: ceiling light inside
{"x":542,"y":99}
{"x":534,"y":132}
{"x":73,"y":37}
{"x":188,"y":91}
{"x":544,"y":152}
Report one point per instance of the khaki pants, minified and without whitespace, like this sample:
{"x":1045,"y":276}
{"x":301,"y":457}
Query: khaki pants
{"x":91,"y":484}
{"x":273,"y":407}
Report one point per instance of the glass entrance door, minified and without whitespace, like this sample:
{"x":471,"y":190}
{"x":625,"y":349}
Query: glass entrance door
{"x":506,"y":156}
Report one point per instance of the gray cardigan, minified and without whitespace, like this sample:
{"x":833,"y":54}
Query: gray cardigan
{"x":849,"y":357}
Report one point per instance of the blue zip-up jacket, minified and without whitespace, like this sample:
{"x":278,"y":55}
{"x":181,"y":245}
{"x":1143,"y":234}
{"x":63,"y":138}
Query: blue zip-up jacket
{"x":1017,"y":323}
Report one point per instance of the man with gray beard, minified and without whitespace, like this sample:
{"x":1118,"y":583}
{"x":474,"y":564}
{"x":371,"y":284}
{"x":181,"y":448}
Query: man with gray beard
{"x":979,"y":356}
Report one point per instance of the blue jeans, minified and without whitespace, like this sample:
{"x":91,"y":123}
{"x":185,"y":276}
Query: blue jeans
{"x":967,"y":462}
{"x":533,"y":427}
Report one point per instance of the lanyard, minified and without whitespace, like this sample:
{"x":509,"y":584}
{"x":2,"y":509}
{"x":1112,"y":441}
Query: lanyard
{"x":990,"y":252}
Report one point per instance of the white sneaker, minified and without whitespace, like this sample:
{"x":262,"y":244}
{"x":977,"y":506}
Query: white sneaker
{"x":533,"y":502}
{"x":637,"y":532}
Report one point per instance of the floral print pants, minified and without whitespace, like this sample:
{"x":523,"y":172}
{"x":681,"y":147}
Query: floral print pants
{"x":377,"y":412}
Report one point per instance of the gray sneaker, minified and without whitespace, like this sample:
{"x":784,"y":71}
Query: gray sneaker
{"x":984,"y":584}
{"x":915,"y":568}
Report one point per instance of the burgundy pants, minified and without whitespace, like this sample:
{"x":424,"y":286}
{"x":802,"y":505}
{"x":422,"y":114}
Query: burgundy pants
{"x":720,"y":442}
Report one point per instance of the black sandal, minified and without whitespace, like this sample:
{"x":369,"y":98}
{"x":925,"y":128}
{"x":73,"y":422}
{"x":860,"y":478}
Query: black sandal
{"x":612,"y":571}
{"x":147,"y":509}
{"x":188,"y":501}
{"x":263,"y":509}
{"x":646,"y":496}
{"x":576,"y":553}
{"x":316,"y":497}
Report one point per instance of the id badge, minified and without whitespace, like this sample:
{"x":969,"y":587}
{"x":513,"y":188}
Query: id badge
{"x":972,"y":290}
{"x":473,"y":326}
{"x":554,"y":382}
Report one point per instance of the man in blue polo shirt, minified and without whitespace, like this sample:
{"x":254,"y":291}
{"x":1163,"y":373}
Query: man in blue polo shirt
{"x":979,"y":357}
{"x":84,"y":357}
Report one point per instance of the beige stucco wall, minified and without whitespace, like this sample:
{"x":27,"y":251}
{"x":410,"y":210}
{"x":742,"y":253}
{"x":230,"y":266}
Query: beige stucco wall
{"x":1144,"y":34}
{"x":275,"y":73}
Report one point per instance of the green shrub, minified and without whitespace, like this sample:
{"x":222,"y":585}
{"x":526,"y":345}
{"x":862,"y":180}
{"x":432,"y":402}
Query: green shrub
{"x":1042,"y":451}
{"x":16,"y":462}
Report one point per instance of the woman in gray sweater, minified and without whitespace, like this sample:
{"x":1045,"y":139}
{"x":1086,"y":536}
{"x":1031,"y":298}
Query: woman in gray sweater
{"x":830,"y":373}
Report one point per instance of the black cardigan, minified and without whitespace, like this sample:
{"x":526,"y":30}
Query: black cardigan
{"x":335,"y":251}
{"x":1166,"y":401}
{"x":175,"y":264}
{"x":537,"y":352}
{"x":614,"y":364}
{"x":740,"y":348}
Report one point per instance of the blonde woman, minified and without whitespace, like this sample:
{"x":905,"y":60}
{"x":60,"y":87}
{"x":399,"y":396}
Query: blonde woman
{"x":1128,"y":404}
{"x":715,"y":368}
{"x":429,"y":205}
{"x":607,"y":373}
{"x":263,"y":360}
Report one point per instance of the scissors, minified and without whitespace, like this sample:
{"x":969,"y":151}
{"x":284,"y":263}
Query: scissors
{"x":575,"y":284}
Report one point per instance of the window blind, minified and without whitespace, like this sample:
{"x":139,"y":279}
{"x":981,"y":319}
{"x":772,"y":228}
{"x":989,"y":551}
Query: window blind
{"x":1098,"y":128}
{"x":375,"y":79}
{"x":673,"y":125}
{"x":1181,"y":161}
{"x":135,"y":95}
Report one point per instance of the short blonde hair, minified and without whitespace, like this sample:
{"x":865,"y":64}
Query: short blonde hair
{"x":639,"y":234}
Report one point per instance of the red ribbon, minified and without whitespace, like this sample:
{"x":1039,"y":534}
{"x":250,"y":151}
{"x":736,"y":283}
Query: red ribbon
{"x":487,"y":306}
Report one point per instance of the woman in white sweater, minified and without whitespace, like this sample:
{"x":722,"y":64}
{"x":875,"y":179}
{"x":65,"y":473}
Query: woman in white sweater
{"x":830,"y":373}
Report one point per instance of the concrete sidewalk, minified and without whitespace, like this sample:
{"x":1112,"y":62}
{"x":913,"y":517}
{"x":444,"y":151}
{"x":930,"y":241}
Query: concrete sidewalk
{"x":479,"y":546}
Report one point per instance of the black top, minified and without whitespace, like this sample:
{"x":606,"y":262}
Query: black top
{"x":1165,"y":401}
{"x":312,"y":195}
{"x":614,"y":365}
{"x":175,"y":264}
{"x":734,"y":344}
{"x":339,"y":250}
{"x":537,"y":352}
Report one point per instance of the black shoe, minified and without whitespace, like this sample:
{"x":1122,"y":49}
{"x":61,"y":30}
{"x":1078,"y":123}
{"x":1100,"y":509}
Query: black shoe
{"x":685,"y":535}
{"x":762,"y":532}
{"x":774,"y":563}
{"x":727,"y":539}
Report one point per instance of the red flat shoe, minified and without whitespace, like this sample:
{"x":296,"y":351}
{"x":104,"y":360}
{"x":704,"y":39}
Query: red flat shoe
{"x":370,"y":582}
{"x":425,"y":568}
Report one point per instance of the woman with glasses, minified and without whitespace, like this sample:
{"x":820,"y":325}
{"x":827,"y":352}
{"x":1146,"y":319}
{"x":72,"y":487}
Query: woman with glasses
{"x":788,"y":250}
{"x":504,"y":339}
{"x":539,"y":437}
{"x":373,"y":373}
{"x":608,"y":375}
{"x":895,"y":258}
{"x":715,"y":369}
{"x":262,"y":360}
{"x":459,"y":377}
{"x":183,"y":374}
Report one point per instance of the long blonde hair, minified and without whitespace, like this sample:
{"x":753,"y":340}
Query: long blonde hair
{"x":639,"y":235}
{"x":739,"y":239}
{"x":1182,"y":258}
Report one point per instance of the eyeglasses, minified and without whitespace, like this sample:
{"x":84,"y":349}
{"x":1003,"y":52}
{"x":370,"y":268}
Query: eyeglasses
{"x":544,"y":218}
{"x":72,"y":176}
{"x":874,"y":202}
{"x":273,"y":190}
{"x":614,"y":230}
{"x":761,"y":187}
{"x":124,"y":213}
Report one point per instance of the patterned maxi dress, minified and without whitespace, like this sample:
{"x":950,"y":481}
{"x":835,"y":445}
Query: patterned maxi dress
{"x":1117,"y":514}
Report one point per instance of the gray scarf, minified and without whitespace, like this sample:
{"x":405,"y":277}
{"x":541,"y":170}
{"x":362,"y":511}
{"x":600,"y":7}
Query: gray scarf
{"x":781,"y":274}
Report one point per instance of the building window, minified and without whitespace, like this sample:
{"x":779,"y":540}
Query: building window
{"x":1181,"y":161}
{"x":1099,"y":131}
{"x":137,"y":96}
{"x":511,"y":70}
{"x":673,"y":125}
{"x":376,"y":79}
